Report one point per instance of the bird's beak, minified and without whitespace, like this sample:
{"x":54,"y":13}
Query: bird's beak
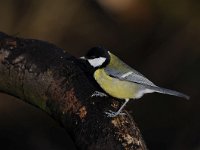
{"x":82,"y":57}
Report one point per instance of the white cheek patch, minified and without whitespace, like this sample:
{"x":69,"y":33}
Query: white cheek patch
{"x":96,"y":62}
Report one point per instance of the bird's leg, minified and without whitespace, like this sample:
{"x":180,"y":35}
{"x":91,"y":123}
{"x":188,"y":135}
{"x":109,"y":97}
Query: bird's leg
{"x":98,"y":94}
{"x":114,"y":114}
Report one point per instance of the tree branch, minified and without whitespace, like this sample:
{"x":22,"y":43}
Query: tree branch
{"x":58,"y":83}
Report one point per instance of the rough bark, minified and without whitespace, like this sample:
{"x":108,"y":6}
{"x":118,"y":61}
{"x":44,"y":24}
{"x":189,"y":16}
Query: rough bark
{"x":58,"y":83}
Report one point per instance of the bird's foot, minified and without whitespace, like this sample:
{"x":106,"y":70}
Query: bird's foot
{"x":98,"y":94}
{"x":111,"y":113}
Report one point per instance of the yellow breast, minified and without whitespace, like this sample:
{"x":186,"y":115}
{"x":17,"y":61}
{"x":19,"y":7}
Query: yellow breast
{"x":115,"y":87}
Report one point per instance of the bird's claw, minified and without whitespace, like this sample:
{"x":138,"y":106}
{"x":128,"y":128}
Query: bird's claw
{"x":111,"y":113}
{"x":98,"y":94}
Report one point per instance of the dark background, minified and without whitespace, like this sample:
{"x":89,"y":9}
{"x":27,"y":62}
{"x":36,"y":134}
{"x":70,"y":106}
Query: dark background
{"x":159,"y":38}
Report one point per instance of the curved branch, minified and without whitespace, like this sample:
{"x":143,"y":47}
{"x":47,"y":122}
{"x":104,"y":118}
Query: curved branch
{"x":58,"y":83}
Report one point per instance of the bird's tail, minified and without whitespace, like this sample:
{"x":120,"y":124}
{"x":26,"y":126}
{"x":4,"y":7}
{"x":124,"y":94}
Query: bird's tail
{"x":167,"y":91}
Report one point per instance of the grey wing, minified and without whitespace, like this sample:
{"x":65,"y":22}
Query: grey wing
{"x":119,"y":69}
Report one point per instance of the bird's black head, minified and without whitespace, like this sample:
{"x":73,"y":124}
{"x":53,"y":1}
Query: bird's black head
{"x":98,"y":57}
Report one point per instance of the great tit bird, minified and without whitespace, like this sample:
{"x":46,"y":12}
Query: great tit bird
{"x":119,"y":80}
